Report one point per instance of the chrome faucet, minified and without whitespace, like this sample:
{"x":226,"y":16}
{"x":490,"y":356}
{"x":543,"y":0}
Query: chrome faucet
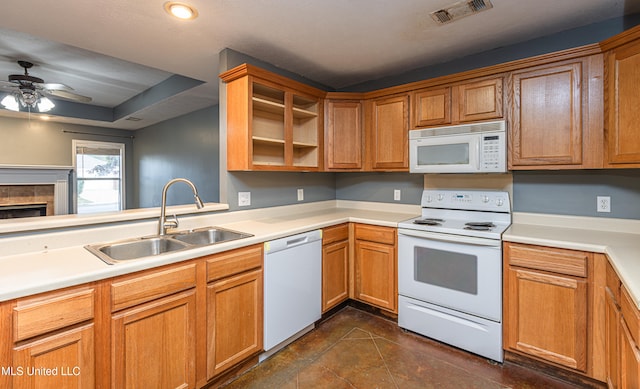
{"x":164,"y":223}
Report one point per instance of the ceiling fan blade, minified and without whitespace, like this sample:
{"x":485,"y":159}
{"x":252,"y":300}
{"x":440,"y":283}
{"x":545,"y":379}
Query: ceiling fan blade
{"x":68,"y":95}
{"x":8,"y":84}
{"x":53,"y":86}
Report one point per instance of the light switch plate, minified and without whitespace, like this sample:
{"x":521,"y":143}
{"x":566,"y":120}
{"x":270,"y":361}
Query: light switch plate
{"x":300,"y":194}
{"x":396,"y":194}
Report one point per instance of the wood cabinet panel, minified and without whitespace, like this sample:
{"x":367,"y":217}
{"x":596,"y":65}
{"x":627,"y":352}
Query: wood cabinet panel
{"x":563,"y":299}
{"x":557,"y":115}
{"x":335,"y":274}
{"x":52,"y":311}
{"x":612,"y":333}
{"x":132,"y":290}
{"x":547,"y":115}
{"x":344,"y":135}
{"x":629,"y":359}
{"x":431,"y":107}
{"x":335,"y":234}
{"x":554,"y":260}
{"x":384,"y":235}
{"x":473,"y":100}
{"x":69,"y":355}
{"x":388,"y":133}
{"x":376,"y":274}
{"x":630,"y":313}
{"x":623,"y":115}
{"x":234,"y":262}
{"x":234,"y":320}
{"x":480,"y":100}
{"x":154,"y":344}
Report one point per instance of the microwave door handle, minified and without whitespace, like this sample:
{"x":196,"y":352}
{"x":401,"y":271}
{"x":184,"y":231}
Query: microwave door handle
{"x":450,"y":238}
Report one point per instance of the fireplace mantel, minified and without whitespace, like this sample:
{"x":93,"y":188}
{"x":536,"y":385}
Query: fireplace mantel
{"x":58,"y":176}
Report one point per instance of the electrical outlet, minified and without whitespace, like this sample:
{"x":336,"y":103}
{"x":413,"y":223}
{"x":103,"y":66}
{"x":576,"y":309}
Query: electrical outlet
{"x":244,"y":199}
{"x":603,"y":204}
{"x":300,"y":194}
{"x":396,"y":194}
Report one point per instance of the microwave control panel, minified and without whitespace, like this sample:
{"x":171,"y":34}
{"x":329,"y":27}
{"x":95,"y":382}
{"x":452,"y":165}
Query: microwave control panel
{"x":492,"y":153}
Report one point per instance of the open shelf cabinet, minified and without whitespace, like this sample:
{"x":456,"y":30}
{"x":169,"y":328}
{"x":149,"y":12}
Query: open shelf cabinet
{"x":273,"y":123}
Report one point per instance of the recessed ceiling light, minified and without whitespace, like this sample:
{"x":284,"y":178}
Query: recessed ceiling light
{"x":180,"y":10}
{"x":45,"y":117}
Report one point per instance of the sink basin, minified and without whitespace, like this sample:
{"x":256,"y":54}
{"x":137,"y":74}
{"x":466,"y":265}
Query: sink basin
{"x":208,"y":235}
{"x":127,"y":250}
{"x":137,"y":248}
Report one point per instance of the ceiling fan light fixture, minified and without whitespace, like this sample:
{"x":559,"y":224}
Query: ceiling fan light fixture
{"x":45,"y":105}
{"x":10,"y":102}
{"x":181,"y":10}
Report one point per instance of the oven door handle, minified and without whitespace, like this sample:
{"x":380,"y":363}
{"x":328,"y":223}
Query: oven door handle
{"x":450,"y":238}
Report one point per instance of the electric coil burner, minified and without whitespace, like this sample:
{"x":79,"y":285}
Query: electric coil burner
{"x":450,"y":269}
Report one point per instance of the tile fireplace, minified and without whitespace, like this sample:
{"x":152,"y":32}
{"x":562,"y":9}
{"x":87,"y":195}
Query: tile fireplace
{"x":27,"y":191}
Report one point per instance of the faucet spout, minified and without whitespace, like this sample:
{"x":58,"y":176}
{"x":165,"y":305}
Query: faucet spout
{"x":163,"y":223}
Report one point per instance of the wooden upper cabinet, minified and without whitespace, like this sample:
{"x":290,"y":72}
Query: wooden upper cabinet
{"x":273,"y":123}
{"x":343,"y":136}
{"x":556,"y":118}
{"x":431,"y":107}
{"x":622,"y":112}
{"x":387,"y":125}
{"x":480,"y":100}
{"x":457,"y":103}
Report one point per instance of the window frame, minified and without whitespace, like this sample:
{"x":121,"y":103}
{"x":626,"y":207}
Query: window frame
{"x":99,"y":144}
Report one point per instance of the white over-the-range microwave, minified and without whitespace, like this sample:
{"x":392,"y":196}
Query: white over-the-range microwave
{"x":467,"y":148}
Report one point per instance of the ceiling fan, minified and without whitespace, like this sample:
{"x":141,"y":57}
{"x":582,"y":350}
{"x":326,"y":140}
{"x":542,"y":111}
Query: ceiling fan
{"x":30,"y":92}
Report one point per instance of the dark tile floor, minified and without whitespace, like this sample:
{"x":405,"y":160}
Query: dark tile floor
{"x":355,"y":349}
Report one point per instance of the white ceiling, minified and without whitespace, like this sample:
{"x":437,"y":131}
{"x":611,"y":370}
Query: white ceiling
{"x":112,"y":50}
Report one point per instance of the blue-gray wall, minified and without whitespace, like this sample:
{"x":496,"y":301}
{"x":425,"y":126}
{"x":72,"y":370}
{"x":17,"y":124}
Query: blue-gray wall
{"x":574,"y":192}
{"x":187,"y":147}
{"x":379,"y":187}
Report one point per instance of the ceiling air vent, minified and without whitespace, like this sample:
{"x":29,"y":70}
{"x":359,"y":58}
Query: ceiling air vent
{"x":133,"y":119}
{"x":459,"y":10}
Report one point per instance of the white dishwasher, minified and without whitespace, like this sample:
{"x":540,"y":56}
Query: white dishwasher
{"x":292,"y":288}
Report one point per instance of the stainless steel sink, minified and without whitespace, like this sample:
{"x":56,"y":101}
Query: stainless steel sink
{"x":208,"y":235}
{"x":138,"y":248}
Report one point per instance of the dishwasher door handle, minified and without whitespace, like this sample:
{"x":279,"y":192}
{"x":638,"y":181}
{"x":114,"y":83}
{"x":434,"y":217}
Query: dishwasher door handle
{"x":297,"y":241}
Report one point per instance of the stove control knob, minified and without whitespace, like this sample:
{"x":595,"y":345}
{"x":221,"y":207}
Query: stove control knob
{"x":485,"y":199}
{"x":499,"y":202}
{"x":440,"y":197}
{"x":429,"y":198}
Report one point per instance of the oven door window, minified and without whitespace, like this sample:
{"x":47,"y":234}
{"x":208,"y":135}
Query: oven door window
{"x":446,"y":269}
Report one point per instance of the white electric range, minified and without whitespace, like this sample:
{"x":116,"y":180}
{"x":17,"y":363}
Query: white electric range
{"x":450,"y":269}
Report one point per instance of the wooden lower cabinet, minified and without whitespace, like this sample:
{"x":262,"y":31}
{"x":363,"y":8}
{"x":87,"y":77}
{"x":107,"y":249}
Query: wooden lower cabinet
{"x":629,"y":359}
{"x":557,"y":331}
{"x":613,"y":317}
{"x":335,"y":266}
{"x":550,"y":312}
{"x":375,"y":262}
{"x":234,"y":314}
{"x":48,"y":340}
{"x":612,"y":340}
{"x":154,"y":344}
{"x":234,"y":320}
{"x":61,"y":360}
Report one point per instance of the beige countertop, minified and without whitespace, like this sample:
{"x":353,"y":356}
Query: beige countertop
{"x":54,"y":260}
{"x":619,"y":239}
{"x":38,"y":262}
